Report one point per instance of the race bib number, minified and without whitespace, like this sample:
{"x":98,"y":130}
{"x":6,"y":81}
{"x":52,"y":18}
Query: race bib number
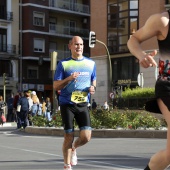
{"x":79,"y":97}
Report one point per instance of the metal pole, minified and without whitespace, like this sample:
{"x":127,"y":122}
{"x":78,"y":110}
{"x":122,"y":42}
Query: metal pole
{"x":20,"y":85}
{"x":53,"y":68}
{"x":4,"y":96}
{"x":108,"y":54}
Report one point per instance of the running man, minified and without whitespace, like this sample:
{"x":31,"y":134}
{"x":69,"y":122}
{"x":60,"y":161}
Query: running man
{"x":76,"y":78}
{"x":157,"y":25}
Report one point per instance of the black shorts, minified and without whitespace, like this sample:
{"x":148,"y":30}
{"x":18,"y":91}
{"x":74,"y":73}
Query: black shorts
{"x":162,"y":91}
{"x":79,"y":112}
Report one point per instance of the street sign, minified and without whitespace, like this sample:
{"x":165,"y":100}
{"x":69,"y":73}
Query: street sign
{"x":112,"y":95}
{"x":156,"y":73}
{"x":140,"y":80}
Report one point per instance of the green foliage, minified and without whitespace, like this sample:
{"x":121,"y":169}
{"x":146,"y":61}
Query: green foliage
{"x":124,"y":119}
{"x":113,"y":119}
{"x":139,"y":93}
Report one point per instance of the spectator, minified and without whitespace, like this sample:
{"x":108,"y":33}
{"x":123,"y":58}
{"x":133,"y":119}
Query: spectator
{"x":39,"y":112}
{"x":2,"y":109}
{"x":23,"y":101}
{"x":10,"y":115}
{"x":35,"y":106}
{"x":44,"y":108}
{"x":48,"y":112}
{"x":94,"y":104}
{"x":106,"y":106}
{"x":16,"y":113}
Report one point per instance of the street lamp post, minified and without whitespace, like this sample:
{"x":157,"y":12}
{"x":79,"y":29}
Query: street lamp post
{"x":110,"y":63}
{"x":92,"y":42}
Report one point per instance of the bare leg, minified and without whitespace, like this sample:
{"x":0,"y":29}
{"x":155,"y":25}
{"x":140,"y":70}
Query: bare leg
{"x":85,"y":136}
{"x":67,"y":147}
{"x":161,"y":159}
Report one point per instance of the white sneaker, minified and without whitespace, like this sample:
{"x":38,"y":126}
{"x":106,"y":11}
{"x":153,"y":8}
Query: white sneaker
{"x":67,"y":167}
{"x":73,"y":158}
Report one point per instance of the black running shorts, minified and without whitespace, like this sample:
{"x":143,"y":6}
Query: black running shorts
{"x":162,"y":91}
{"x":79,"y":112}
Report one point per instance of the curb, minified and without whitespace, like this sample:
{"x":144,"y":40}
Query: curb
{"x":102,"y":133}
{"x":9,"y":124}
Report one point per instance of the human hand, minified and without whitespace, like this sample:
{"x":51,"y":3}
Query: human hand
{"x":74,"y":75}
{"x":148,"y":60}
{"x":92,"y":89}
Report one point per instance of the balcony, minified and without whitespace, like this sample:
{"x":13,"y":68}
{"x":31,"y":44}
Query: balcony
{"x":7,"y":16}
{"x":64,"y":54}
{"x":61,"y":54}
{"x":63,"y":5}
{"x":8,"y":48}
{"x":61,"y":31}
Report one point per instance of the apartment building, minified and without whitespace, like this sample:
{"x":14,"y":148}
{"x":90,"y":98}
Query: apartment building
{"x":31,"y":29}
{"x":9,"y":43}
{"x":47,"y":26}
{"x":114,"y":21}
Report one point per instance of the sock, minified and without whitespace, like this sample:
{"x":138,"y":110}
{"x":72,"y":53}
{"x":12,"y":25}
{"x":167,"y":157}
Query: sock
{"x":73,"y":147}
{"x":147,"y":168}
{"x":67,"y":165}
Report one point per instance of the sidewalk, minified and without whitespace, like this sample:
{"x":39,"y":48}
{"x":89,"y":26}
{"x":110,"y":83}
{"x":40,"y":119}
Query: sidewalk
{"x":102,"y":133}
{"x":9,"y":124}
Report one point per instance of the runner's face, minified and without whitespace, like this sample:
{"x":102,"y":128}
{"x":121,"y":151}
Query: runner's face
{"x":77,"y":47}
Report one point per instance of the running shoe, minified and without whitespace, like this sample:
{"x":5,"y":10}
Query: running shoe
{"x":73,"y":157}
{"x":67,"y":167}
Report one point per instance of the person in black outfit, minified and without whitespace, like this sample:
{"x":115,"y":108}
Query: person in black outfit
{"x":10,"y":115}
{"x":23,"y":101}
{"x":94,"y":104}
{"x":157,"y":25}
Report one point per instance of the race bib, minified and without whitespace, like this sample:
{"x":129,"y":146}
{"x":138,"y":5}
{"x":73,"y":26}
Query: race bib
{"x":79,"y":97}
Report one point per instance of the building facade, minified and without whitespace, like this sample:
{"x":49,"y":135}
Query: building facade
{"x":114,"y":23}
{"x":9,"y":43}
{"x":31,"y":29}
{"x":48,"y":26}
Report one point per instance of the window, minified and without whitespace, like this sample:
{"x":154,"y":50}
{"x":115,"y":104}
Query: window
{"x":52,"y":24}
{"x":125,"y":68}
{"x":53,"y":46}
{"x":167,"y":2}
{"x":122,"y":21}
{"x":69,"y":27}
{"x":39,"y":45}
{"x":6,"y":67}
{"x":3,"y":40}
{"x":32,"y":72}
{"x":39,"y":19}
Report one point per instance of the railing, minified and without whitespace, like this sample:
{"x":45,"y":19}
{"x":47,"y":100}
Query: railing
{"x":75,"y":7}
{"x":7,"y":16}
{"x":132,"y":103}
{"x":9,"y":48}
{"x":61,"y":54}
{"x":60,"y":29}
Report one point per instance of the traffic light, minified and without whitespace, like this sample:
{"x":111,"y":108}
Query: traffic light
{"x":5,"y":79}
{"x":92,"y":39}
{"x":116,"y":85}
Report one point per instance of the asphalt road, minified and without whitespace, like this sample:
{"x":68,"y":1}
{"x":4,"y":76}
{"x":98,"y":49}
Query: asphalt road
{"x":23,"y":151}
